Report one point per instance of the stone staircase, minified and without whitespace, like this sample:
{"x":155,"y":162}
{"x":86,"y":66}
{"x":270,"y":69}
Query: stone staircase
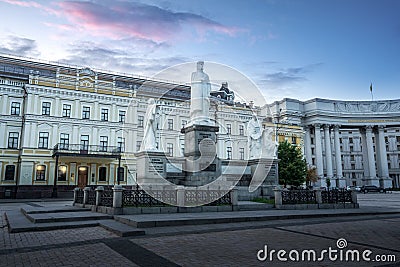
{"x":29,"y":219}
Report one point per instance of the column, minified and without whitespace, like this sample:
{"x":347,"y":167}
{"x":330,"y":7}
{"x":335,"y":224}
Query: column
{"x":338,"y":158}
{"x":328,"y":152}
{"x":114,"y":111}
{"x":94,"y":139}
{"x":5,"y":105}
{"x":2,"y":138}
{"x":27,"y":135}
{"x":37,"y":105}
{"x":75,"y":133}
{"x":33,"y":135}
{"x":77,"y":109}
{"x":95,"y":115}
{"x":307,"y":145}
{"x":318,"y":150}
{"x":54,"y":137}
{"x":30,"y":104}
{"x":382,"y":153}
{"x":364,"y":152}
{"x":112,"y":138}
{"x":57,"y":111}
{"x":370,"y":152}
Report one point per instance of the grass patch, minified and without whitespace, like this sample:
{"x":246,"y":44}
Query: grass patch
{"x":264,"y":200}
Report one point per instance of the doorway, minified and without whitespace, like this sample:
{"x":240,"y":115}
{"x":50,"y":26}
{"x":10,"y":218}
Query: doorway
{"x":82,"y":176}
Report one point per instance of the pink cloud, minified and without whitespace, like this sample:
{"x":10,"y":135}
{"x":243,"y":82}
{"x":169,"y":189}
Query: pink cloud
{"x":23,"y":3}
{"x":120,"y":19}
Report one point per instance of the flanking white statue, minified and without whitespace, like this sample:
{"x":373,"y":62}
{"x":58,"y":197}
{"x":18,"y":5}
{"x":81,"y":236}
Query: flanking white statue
{"x":269,"y":146}
{"x":149,"y":139}
{"x":254,"y":134}
{"x":200,"y":97}
{"x":260,"y":140}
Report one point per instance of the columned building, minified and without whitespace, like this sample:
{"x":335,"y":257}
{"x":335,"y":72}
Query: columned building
{"x":65,"y":126}
{"x":353,"y":143}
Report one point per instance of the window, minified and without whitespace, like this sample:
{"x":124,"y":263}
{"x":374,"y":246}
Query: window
{"x":84,"y":143}
{"x":103,"y":143}
{"x":170,"y":124}
{"x":46,"y":108}
{"x":229,"y":152}
{"x":13,"y":140}
{"x":43,"y":140}
{"x":293,"y":140}
{"x":102,"y":174}
{"x":104,"y":114}
{"x":138,"y":144}
{"x":241,"y":153}
{"x":184,"y":122}
{"x":64,"y":141}
{"x":170,"y":149}
{"x":66,"y":110}
{"x":229,"y":128}
{"x":86,"y":113}
{"x":140,"y":121}
{"x":15,"y":108}
{"x":121,"y":115}
{"x":10,"y":173}
{"x":241,"y":129}
{"x":350,"y":140}
{"x":120,"y":173}
{"x":62,"y":173}
{"x":40,"y":172}
{"x":121,"y":144}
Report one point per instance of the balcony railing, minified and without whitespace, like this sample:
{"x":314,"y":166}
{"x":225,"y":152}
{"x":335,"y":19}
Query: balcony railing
{"x":86,"y":150}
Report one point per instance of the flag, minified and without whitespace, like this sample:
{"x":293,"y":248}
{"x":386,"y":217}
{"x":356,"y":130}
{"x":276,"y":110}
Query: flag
{"x":370,"y":87}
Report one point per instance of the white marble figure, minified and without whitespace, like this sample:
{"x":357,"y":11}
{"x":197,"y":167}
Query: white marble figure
{"x":149,"y":138}
{"x":200,"y":97}
{"x":269,"y":146}
{"x":254,"y":136}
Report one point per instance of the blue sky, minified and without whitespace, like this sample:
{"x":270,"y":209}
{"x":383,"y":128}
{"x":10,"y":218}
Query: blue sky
{"x":290,"y":48}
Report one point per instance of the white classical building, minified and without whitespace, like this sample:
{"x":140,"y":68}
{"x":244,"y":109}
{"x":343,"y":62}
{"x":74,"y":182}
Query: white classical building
{"x":350,"y":142}
{"x":64,"y":126}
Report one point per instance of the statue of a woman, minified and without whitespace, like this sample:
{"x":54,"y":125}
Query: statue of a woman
{"x":200,"y":96}
{"x":254,"y":134}
{"x":149,"y":137}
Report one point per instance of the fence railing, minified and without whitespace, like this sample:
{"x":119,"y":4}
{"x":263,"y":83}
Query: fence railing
{"x":298,"y":197}
{"x":118,"y":197}
{"x":336,"y":196}
{"x":79,"y":196}
{"x":317,"y":196}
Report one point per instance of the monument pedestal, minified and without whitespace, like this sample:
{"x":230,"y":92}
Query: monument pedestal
{"x":202,"y":164}
{"x":151,"y":168}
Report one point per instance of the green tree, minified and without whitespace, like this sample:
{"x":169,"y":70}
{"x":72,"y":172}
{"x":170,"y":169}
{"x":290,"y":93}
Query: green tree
{"x":292,"y":166}
{"x":312,"y":176}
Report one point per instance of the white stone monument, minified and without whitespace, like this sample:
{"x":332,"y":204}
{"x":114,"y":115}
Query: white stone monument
{"x":200,"y":97}
{"x":149,"y":137}
{"x":254,"y":138}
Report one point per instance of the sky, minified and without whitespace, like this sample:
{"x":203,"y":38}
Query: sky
{"x":300,"y":49}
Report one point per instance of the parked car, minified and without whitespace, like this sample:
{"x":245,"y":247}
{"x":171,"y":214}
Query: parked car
{"x":372,"y":188}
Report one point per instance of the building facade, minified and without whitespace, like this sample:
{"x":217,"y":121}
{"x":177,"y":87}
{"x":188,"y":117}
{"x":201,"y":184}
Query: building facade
{"x":353,"y":143}
{"x":65,"y":126}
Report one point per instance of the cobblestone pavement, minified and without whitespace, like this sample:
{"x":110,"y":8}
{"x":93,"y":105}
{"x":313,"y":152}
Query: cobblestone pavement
{"x":239,"y":248}
{"x":95,"y":246}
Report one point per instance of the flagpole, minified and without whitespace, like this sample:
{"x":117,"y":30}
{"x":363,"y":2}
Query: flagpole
{"x":372,"y":95}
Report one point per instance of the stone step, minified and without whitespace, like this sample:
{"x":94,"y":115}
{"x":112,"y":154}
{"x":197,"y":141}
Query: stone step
{"x":257,"y":206}
{"x":66,"y":216}
{"x":120,"y":229}
{"x":34,"y":210}
{"x":18,"y":223}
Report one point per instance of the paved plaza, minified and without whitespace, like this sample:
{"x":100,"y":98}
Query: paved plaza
{"x":234,"y":244}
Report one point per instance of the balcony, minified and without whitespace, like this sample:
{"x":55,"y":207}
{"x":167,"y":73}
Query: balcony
{"x":78,"y":150}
